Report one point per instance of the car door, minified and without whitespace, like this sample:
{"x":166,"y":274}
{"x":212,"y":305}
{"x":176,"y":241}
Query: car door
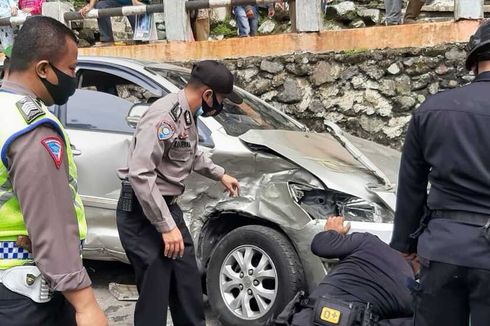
{"x":100,"y":141}
{"x":95,"y":119}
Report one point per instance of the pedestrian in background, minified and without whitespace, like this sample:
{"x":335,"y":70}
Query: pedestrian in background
{"x":247,"y":18}
{"x":448,"y":226}
{"x":105,"y":25}
{"x":393,"y":11}
{"x":200,"y":24}
{"x":8,"y":8}
{"x":32,"y":7}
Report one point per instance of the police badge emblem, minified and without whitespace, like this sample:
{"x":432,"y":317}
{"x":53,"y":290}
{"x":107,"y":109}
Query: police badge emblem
{"x":165,"y":131}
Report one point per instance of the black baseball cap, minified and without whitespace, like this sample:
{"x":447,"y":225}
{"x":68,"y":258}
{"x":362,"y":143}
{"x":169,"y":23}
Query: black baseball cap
{"x":478,"y":44}
{"x":215,"y":75}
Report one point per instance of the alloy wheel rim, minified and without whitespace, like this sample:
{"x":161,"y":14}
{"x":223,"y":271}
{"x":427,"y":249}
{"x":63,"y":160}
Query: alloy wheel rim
{"x":248,"y":282}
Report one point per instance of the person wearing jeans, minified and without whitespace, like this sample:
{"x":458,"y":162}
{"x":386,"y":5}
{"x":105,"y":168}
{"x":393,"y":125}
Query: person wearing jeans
{"x":393,"y":9}
{"x":105,"y":27}
{"x":247,"y":18}
{"x":393,"y":12}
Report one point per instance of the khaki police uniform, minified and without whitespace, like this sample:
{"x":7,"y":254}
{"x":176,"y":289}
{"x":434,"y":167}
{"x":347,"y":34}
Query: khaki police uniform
{"x":40,"y":180}
{"x":163,"y":153}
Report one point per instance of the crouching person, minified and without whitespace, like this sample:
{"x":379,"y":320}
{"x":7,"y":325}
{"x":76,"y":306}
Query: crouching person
{"x":369,"y":285}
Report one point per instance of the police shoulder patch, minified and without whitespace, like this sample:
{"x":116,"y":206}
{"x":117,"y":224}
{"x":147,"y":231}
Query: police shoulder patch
{"x":54,"y":146}
{"x":165,"y":131}
{"x":29,"y":109}
{"x":175,"y":112}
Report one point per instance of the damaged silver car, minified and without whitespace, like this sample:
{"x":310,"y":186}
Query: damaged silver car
{"x":254,"y":250}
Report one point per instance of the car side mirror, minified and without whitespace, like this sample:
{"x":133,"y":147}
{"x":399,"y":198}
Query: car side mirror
{"x":135,"y":114}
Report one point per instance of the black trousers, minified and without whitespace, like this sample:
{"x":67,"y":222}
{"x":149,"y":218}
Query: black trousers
{"x":161,"y":281}
{"x":452,"y":295}
{"x":18,"y":310}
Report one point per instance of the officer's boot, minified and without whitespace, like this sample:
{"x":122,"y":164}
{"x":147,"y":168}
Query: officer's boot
{"x":413,"y":11}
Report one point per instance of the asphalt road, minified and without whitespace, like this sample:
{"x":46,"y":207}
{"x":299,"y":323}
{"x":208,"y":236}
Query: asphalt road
{"x":121,"y":312}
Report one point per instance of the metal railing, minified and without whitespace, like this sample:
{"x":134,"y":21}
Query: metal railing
{"x":140,"y":10}
{"x":304,"y":19}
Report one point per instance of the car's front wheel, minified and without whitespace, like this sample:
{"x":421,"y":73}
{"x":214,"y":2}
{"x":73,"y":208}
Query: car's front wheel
{"x":252,"y":274}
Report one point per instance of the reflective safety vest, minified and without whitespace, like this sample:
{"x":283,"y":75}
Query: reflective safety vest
{"x":19,"y":115}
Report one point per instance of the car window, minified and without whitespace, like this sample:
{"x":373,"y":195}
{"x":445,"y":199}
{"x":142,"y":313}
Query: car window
{"x":250,"y":115}
{"x":238,"y":119}
{"x":179,"y":78}
{"x":115,"y":85}
{"x":93,"y":110}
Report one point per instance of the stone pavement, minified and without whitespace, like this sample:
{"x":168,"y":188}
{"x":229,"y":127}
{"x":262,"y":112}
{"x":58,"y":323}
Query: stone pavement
{"x":120,"y":313}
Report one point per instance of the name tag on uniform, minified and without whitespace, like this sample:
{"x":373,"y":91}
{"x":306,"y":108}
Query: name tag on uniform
{"x":181,"y":144}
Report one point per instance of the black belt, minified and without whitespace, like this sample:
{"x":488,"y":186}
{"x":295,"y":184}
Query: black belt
{"x":462,"y":217}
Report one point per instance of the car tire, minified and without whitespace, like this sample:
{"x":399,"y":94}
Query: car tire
{"x":234,"y":294}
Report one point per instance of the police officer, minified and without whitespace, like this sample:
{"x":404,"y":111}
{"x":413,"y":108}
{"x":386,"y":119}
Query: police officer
{"x":42,"y":221}
{"x":448,"y":145}
{"x":367,"y":287}
{"x":163,"y":153}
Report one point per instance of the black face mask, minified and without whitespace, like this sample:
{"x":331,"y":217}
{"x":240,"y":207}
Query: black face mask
{"x":208,"y":110}
{"x":66,"y":86}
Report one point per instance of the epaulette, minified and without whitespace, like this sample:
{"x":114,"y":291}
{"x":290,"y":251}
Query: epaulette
{"x":29,"y":109}
{"x":176,"y":111}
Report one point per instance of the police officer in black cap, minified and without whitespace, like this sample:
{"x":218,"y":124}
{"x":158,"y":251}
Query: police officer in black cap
{"x":151,"y":226}
{"x":448,"y":145}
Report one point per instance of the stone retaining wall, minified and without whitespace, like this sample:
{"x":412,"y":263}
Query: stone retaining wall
{"x":371,"y":94}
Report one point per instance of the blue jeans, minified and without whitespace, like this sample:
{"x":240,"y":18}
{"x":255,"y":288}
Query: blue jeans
{"x":246,"y":26}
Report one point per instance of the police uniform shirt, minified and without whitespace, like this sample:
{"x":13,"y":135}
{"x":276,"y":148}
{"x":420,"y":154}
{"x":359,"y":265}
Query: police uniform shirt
{"x":448,"y":145}
{"x":163,"y":153}
{"x":47,"y":205}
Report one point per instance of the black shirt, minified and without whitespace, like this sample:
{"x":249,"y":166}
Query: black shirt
{"x":448,"y":145}
{"x":368,"y":271}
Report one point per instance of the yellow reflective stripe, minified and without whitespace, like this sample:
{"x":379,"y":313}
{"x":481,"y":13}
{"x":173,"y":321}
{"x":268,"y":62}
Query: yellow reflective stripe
{"x":9,"y":263}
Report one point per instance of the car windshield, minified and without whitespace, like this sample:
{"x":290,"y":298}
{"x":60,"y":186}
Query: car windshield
{"x":238,"y":119}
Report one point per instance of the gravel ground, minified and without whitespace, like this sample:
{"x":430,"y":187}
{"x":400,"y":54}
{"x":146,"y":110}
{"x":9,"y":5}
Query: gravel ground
{"x":121,"y":312}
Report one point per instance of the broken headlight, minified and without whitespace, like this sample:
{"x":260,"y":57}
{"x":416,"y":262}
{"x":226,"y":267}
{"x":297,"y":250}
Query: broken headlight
{"x":320,"y":204}
{"x":357,"y":209}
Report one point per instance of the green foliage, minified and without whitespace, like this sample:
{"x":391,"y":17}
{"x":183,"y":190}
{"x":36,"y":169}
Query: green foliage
{"x":78,"y":4}
{"x":224,"y":28}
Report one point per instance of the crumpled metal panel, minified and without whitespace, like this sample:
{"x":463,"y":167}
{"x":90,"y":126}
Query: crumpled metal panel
{"x":264,"y":191}
{"x":323,"y":156}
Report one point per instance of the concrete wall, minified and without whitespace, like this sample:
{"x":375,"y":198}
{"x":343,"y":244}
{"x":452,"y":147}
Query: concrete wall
{"x":416,"y":35}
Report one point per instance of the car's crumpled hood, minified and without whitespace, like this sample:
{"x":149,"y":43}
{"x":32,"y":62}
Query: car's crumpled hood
{"x":325,"y":157}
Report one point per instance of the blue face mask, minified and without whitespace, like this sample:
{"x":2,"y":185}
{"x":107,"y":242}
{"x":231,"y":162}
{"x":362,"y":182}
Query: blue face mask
{"x":199,"y":112}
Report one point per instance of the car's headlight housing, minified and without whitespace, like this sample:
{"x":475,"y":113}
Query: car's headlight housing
{"x":357,"y":209}
{"x":320,"y":203}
